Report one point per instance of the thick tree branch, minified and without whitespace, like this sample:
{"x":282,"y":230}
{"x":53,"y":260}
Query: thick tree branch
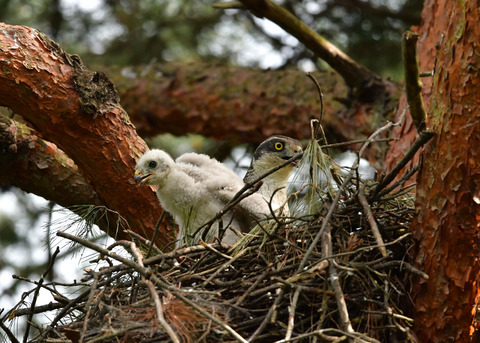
{"x":39,"y":167}
{"x":225,"y":102}
{"x":241,"y":105}
{"x":77,"y":110}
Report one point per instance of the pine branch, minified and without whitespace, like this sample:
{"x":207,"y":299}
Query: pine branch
{"x":78,"y":110}
{"x":366,"y":82}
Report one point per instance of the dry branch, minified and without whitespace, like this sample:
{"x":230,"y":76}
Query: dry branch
{"x":371,"y":220}
{"x":367,"y":83}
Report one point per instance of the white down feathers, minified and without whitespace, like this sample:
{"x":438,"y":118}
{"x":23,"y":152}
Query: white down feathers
{"x":193,"y":189}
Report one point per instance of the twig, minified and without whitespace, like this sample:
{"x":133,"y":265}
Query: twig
{"x":320,"y":96}
{"x":242,"y":298}
{"x":345,"y":323}
{"x":153,"y":293}
{"x":398,"y":183}
{"x":115,"y":333}
{"x":155,"y":233}
{"x":251,"y":187}
{"x":358,"y":141}
{"x":388,"y":309}
{"x":268,"y":316}
{"x":160,"y":316}
{"x":38,"y":309}
{"x":156,"y":278}
{"x":241,"y":194}
{"x":413,"y":85}
{"x":87,"y":307}
{"x":62,"y":313}
{"x":181,"y":252}
{"x":371,"y":220}
{"x":223,"y":266}
{"x":325,"y":221}
{"x":48,"y":242}
{"x":317,"y":268}
{"x":212,"y":249}
{"x":37,"y":290}
{"x":318,"y":333}
{"x":377,"y":132}
{"x":48,"y":285}
{"x":291,"y":315}
{"x":200,"y":310}
{"x":319,"y":126}
{"x":423,"y":138}
{"x":347,"y":179}
{"x":8,"y":332}
{"x":402,"y":265}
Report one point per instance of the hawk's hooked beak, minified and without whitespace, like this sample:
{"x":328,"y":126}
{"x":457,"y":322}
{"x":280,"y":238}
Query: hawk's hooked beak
{"x":141,"y":178}
{"x":297,"y":150}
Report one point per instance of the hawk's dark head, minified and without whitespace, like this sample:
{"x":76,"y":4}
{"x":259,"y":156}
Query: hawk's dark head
{"x":277,"y":149}
{"x":271,"y":153}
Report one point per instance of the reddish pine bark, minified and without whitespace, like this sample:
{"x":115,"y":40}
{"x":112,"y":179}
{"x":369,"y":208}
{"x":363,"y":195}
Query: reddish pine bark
{"x":447,"y":226}
{"x":39,"y":167}
{"x":243,"y":105}
{"x":78,"y":110}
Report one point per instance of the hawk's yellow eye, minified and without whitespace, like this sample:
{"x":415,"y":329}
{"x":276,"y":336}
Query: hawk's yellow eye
{"x":278,"y":146}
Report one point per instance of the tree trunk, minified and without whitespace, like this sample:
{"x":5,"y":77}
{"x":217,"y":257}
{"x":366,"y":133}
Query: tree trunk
{"x":448,"y":198}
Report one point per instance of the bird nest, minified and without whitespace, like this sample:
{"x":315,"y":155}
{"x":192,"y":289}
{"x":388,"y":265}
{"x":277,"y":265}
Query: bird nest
{"x":334,"y":272}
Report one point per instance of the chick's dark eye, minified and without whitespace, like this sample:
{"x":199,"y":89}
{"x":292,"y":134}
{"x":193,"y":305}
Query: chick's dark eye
{"x":152,"y":164}
{"x":278,"y":146}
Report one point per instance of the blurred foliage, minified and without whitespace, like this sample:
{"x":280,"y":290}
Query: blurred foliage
{"x":133,"y":32}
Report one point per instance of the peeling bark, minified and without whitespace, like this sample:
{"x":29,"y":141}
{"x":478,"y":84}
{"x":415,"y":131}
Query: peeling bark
{"x":447,"y":228}
{"x":78,"y":111}
{"x":40,"y":167}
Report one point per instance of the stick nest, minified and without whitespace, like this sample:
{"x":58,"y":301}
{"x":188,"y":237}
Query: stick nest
{"x":327,"y":275}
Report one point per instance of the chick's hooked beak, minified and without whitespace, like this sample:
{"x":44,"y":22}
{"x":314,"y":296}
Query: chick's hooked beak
{"x":141,"y":178}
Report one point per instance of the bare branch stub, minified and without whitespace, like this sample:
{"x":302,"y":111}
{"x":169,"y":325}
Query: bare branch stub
{"x":413,"y":85}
